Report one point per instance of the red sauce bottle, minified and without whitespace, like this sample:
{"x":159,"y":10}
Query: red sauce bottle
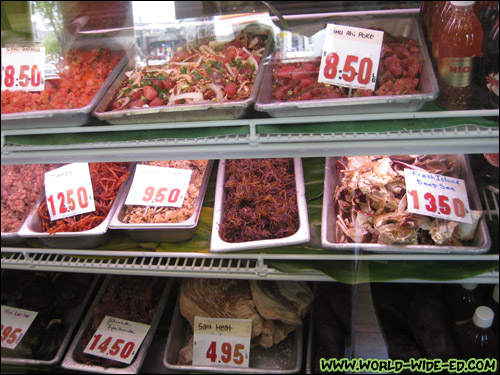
{"x":439,"y":21}
{"x":459,"y":57}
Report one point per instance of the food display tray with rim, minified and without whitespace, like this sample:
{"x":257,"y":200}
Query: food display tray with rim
{"x":217,"y":244}
{"x":32,"y":227}
{"x":404,"y":26}
{"x":69,"y":324}
{"x":185,"y":112}
{"x":282,"y":358}
{"x":70,"y":363}
{"x":161,"y":232}
{"x":481,"y":242}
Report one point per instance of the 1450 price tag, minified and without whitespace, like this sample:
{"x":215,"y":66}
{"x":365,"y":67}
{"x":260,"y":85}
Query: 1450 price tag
{"x":350,"y":56}
{"x":437,"y":196}
{"x":221,"y":342}
{"x":15,"y":323}
{"x":23,"y":68}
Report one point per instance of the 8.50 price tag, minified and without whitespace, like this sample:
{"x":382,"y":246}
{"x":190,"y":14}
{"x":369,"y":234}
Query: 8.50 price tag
{"x":350,"y":56}
{"x":23,"y":68}
{"x":15,"y":323}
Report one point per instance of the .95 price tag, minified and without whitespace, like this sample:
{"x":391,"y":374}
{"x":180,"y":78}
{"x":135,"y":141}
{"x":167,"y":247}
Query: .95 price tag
{"x":158,"y":186}
{"x":221,"y":342}
{"x":68,"y":191}
{"x":350,"y":56}
{"x":437,"y":196}
{"x":23,"y":68}
{"x":15,"y":323}
{"x":117,"y":339}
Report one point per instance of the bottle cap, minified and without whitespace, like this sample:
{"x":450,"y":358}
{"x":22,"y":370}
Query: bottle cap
{"x":483,"y":317}
{"x":495,"y":293}
{"x":469,"y":286}
{"x":462,"y":3}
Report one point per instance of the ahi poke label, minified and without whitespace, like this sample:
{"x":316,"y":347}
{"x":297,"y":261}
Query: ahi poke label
{"x":23,"y":68}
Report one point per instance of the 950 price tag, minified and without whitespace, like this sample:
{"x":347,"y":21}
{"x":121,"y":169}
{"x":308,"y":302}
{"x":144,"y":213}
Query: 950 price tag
{"x":68,"y":191}
{"x":117,"y":339}
{"x":350,"y":56}
{"x":437,"y":196}
{"x":221,"y":342}
{"x":15,"y":323}
{"x":158,"y":186}
{"x":23,"y":68}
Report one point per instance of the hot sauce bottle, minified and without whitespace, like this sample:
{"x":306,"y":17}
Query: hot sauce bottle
{"x":439,"y":21}
{"x":459,"y":57}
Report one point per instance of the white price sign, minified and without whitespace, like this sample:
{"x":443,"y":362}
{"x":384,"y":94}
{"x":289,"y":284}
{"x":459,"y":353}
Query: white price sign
{"x":117,"y":339}
{"x":221,"y":342}
{"x":23,"y":68}
{"x":68,"y":191}
{"x":437,"y":196}
{"x":158,"y":186}
{"x":350,"y":56}
{"x":15,"y":323}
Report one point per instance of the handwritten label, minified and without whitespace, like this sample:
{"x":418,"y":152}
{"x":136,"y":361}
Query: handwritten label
{"x":117,"y":339}
{"x":23,"y":68}
{"x":221,"y":342}
{"x":15,"y":323}
{"x":350,"y":56}
{"x":437,"y":196}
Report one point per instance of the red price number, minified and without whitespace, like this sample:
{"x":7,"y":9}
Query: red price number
{"x":27,"y":75}
{"x":227,"y":353}
{"x":161,"y":194}
{"x":111,"y":346}
{"x":81,"y":197}
{"x":10,"y":334}
{"x":352,"y":70}
{"x":442,"y":203}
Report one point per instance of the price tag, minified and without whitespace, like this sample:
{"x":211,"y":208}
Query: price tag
{"x":221,"y":342}
{"x":350,"y":56}
{"x":68,"y":191}
{"x":437,"y":196}
{"x":117,"y":339}
{"x":23,"y":68}
{"x":15,"y":323}
{"x":158,"y":186}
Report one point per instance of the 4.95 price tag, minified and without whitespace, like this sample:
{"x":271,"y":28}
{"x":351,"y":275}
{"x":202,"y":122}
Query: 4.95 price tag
{"x":221,"y":342}
{"x":23,"y":68}
{"x":158,"y":186}
{"x":68,"y":191}
{"x":350,"y":56}
{"x":15,"y":323}
{"x":437,"y":196}
{"x":117,"y":339}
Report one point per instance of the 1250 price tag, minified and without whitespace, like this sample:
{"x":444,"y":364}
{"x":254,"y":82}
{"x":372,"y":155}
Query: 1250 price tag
{"x":350,"y":56}
{"x":221,"y":342}
{"x":15,"y":323}
{"x":437,"y":196}
{"x":68,"y":191}
{"x":158,"y":186}
{"x":23,"y":68}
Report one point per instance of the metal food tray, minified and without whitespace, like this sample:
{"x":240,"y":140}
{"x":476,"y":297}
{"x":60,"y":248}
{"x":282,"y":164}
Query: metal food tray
{"x":161,"y":232}
{"x":69,"y":324}
{"x":283,"y":358}
{"x":11,"y":238}
{"x":481,"y":242}
{"x":217,"y":244}
{"x":32,"y":228}
{"x":57,"y":118}
{"x":71,"y":364}
{"x":184,"y":112}
{"x":408,"y":27}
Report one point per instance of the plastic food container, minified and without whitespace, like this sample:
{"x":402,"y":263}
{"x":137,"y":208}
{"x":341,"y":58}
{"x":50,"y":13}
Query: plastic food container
{"x":161,"y":232}
{"x":302,"y":235}
{"x":481,"y":242}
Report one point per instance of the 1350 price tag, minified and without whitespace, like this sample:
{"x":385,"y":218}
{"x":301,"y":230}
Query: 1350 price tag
{"x":350,"y":56}
{"x":221,"y":342}
{"x":15,"y":323}
{"x":437,"y":196}
{"x":68,"y":191}
{"x":23,"y":68}
{"x":117,"y":339}
{"x":158,"y":186}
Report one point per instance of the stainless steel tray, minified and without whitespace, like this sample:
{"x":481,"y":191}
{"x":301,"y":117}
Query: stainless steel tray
{"x":69,"y":324}
{"x":217,"y":244}
{"x":32,"y":228}
{"x":71,"y":364}
{"x":480,"y":244}
{"x":283,"y":358}
{"x":11,"y":238}
{"x":161,"y":232}
{"x":180,"y":113}
{"x":408,"y":27}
